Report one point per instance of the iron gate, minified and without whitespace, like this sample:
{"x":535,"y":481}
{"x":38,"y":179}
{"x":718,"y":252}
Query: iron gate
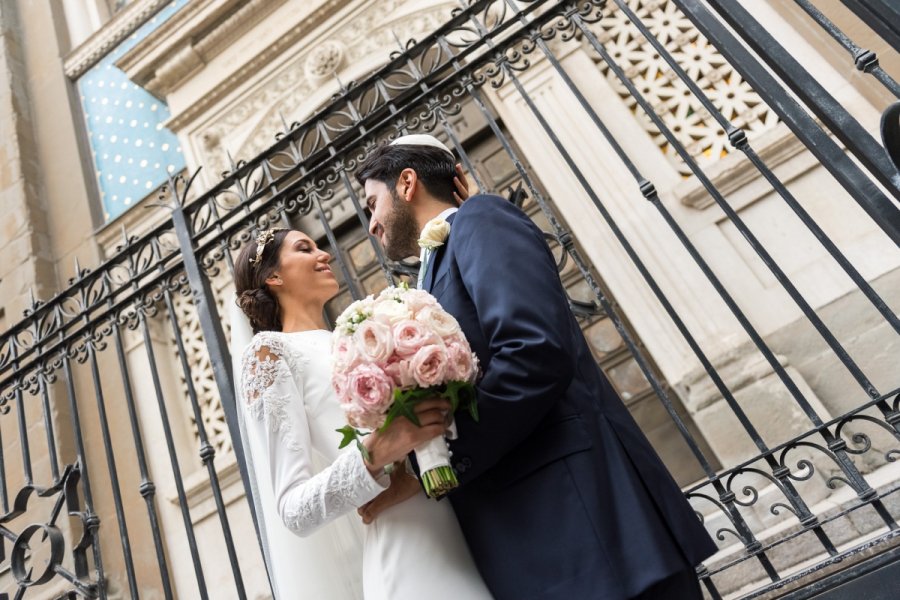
{"x":106,"y":350}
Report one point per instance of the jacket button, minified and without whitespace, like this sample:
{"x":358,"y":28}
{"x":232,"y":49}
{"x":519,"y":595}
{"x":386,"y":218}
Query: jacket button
{"x":463,"y":465}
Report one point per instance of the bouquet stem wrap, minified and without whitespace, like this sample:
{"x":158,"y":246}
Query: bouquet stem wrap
{"x":437,"y":475}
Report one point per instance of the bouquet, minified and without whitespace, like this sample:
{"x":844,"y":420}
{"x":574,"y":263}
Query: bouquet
{"x":389,"y":353}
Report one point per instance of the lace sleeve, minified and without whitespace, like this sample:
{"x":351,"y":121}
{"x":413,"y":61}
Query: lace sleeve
{"x":273,"y":402}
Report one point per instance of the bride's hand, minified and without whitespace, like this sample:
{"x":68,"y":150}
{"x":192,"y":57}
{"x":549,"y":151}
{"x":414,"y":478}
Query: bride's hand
{"x":462,"y":185}
{"x":403,"y":487}
{"x":400,"y":437}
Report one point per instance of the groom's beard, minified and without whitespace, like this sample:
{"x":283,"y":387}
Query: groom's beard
{"x":401,"y":230}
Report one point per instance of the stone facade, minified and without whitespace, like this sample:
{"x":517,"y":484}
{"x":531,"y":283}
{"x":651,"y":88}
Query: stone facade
{"x":233,"y":72}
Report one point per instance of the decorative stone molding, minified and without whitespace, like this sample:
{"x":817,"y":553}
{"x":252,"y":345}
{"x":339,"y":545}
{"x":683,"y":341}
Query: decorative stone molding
{"x":168,"y":56}
{"x":185,"y":61}
{"x":108,"y":37}
{"x":142,"y":62}
{"x":324,"y":61}
{"x":670,"y":98}
{"x":371,"y":30}
{"x":288,"y":90}
{"x":733,"y":171}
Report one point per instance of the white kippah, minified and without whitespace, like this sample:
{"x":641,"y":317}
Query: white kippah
{"x":420,"y":139}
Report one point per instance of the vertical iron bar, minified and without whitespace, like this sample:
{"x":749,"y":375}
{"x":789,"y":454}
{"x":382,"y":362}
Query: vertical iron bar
{"x":147,"y":489}
{"x":738,"y":139}
{"x":885,"y":214}
{"x":341,"y":171}
{"x":48,"y":429}
{"x":811,"y":92}
{"x":90,"y":352}
{"x":113,"y":471}
{"x":20,"y":419}
{"x":173,"y":456}
{"x":732,"y":215}
{"x":865,"y":60}
{"x":885,"y":25}
{"x":753,"y":546}
{"x":91,"y":519}
{"x":4,"y":494}
{"x":214,"y":336}
{"x":649,"y":191}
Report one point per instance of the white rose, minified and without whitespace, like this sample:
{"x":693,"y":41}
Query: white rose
{"x":391,"y":312}
{"x":434,"y":233}
{"x":438,"y":320}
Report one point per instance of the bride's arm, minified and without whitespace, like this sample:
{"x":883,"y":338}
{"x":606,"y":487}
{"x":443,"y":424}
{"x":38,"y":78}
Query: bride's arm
{"x":305,"y":500}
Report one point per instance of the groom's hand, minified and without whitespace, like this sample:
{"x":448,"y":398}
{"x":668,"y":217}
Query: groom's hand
{"x":403,"y":486}
{"x":400,"y":437}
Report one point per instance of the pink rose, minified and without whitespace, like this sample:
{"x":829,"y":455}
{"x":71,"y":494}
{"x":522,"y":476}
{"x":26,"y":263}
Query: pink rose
{"x":345,"y":354}
{"x":370,"y":389}
{"x":463,"y":364}
{"x":341,"y":386}
{"x":411,"y":335}
{"x":374,"y":341}
{"x":429,"y":365}
{"x":401,"y":372}
{"x":358,"y":417}
{"x":416,"y":300}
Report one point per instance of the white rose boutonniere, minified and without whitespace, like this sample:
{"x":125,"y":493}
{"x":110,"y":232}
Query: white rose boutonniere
{"x":434,"y":233}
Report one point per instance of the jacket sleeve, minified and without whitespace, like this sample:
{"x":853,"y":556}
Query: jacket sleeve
{"x":510,"y":275}
{"x":276,"y":415}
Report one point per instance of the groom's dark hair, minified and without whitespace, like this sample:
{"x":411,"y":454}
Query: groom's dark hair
{"x":434,"y":167}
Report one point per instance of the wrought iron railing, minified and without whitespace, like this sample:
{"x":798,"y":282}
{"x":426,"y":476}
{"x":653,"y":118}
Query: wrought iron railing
{"x":91,"y":348}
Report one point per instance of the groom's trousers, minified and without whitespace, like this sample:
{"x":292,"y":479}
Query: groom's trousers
{"x":680,"y":586}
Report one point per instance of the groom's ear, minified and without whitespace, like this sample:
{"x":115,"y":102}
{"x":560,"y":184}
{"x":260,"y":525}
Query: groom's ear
{"x":407,"y":184}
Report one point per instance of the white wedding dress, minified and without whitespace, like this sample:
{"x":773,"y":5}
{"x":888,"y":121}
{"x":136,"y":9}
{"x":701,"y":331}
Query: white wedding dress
{"x":304,"y":486}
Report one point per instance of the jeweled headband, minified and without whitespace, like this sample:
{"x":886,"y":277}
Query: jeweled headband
{"x":265,"y":236}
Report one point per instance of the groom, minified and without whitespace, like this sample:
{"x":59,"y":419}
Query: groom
{"x":560,"y":495}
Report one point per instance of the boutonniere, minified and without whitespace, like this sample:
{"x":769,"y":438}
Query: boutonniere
{"x":434,"y":234}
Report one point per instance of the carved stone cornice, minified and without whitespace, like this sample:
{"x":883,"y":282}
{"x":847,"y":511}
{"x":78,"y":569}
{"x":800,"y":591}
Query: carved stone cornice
{"x":199,"y":32}
{"x":107,"y":37}
{"x":254,"y":64}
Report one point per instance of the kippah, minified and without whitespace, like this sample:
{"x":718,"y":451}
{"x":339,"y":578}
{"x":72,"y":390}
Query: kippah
{"x":420,"y":139}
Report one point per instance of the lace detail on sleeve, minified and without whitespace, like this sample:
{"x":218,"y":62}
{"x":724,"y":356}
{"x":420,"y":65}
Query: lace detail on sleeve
{"x":266,"y":385}
{"x":337,"y":490}
{"x":276,"y":415}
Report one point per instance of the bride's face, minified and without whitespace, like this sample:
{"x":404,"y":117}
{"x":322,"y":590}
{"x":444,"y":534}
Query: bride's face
{"x":303,"y":269}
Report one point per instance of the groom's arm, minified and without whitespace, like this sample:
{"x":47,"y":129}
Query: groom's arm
{"x":511,"y":276}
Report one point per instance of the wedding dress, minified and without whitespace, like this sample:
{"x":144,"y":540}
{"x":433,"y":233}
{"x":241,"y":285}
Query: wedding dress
{"x":304,"y":486}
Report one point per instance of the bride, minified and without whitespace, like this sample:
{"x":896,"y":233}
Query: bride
{"x":306,"y":492}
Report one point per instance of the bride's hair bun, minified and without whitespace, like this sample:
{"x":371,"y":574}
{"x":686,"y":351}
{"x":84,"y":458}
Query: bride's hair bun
{"x":250,"y":274}
{"x":261,"y":308}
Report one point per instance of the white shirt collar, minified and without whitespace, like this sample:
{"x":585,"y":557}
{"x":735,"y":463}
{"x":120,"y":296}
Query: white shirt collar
{"x":446,"y":213}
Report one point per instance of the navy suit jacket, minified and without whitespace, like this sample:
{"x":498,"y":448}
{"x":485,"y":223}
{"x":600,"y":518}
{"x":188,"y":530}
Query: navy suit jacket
{"x":561,"y":495}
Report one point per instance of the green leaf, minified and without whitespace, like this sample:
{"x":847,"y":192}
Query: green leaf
{"x":405,"y":408}
{"x":350,"y":434}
